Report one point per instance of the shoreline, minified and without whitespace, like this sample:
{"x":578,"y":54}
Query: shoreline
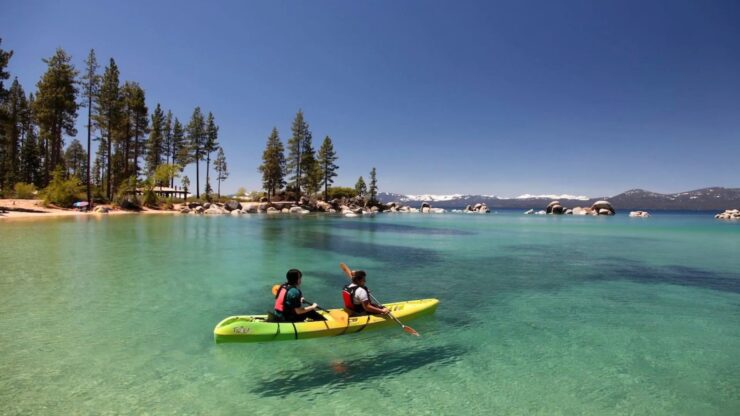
{"x":33,"y":209}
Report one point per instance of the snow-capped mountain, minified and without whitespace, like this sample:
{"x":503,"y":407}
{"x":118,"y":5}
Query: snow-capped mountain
{"x":714,"y":198}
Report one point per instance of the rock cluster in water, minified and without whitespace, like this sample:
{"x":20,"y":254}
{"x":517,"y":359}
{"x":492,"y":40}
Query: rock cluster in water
{"x":639,"y":214}
{"x":729,"y":214}
{"x":555,"y":208}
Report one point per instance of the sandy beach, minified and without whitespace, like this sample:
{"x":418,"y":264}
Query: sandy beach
{"x":29,"y":209}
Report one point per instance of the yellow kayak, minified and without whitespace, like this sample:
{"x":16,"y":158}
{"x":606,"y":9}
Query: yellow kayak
{"x":257,"y":328}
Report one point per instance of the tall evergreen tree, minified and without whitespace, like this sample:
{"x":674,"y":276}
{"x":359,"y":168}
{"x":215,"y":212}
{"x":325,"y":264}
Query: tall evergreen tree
{"x":327,"y":157}
{"x":296,"y":152}
{"x":14,"y":108}
{"x":137,"y":122}
{"x":273,"y":165}
{"x":76,"y":160}
{"x":311,"y":168}
{"x":56,"y":107}
{"x":180,"y":149}
{"x":90,"y":86}
{"x":108,"y":116}
{"x":196,"y":143}
{"x":155,"y":142}
{"x":211,"y":145}
{"x":4,"y":60}
{"x":222,"y":171}
{"x":373,"y":190}
{"x":361,"y":187}
{"x":29,"y":171}
{"x":167,"y":139}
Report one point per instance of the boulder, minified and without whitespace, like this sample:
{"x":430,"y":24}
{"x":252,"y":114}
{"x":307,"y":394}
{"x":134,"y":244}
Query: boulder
{"x":332,"y":211}
{"x":263,"y":199}
{"x":272,"y":210}
{"x":232,"y":205}
{"x":199,"y":210}
{"x":263,"y":206}
{"x":286,"y":210}
{"x":437,"y":210}
{"x":604,"y":211}
{"x":294,"y":210}
{"x":579,"y":211}
{"x":374,"y":209}
{"x":193,"y":205}
{"x":207,"y":205}
{"x":323,"y":206}
{"x":185,"y":210}
{"x":236,"y":212}
{"x":603,"y":205}
{"x":425,"y":205}
{"x":529,"y":212}
{"x":639,"y":214}
{"x":214,"y":210}
{"x":101,"y":209}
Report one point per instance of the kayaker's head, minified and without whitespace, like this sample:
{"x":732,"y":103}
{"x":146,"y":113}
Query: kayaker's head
{"x":294,"y":277}
{"x":358,"y":277}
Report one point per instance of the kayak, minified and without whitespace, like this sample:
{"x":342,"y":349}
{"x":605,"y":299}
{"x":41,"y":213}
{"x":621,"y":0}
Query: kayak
{"x":258,"y":328}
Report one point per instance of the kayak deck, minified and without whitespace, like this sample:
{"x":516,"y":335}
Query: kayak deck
{"x":257,"y":328}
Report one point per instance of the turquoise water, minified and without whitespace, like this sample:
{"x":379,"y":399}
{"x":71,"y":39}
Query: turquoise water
{"x":538,"y":315}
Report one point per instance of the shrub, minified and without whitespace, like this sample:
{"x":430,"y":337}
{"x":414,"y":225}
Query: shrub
{"x":63,"y":192}
{"x":24,"y":190}
{"x":126,"y":195}
{"x":341,"y":192}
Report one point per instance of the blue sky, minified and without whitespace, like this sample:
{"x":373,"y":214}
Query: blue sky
{"x":501,"y":98}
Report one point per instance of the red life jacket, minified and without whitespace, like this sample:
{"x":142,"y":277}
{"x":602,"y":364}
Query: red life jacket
{"x":348,"y":295}
{"x":280,"y":299}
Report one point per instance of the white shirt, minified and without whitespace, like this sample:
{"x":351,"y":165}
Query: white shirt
{"x":360,"y":295}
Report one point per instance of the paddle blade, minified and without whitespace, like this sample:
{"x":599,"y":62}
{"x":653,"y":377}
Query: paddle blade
{"x":411,"y":331}
{"x":346,"y":270}
{"x":275,"y":290}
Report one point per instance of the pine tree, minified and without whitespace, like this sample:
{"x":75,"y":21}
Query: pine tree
{"x":180,"y":149}
{"x":56,"y":108}
{"x":76,"y":159}
{"x":107,"y":117}
{"x":327,"y":157}
{"x":185,"y":182}
{"x":273,"y":165}
{"x":154,"y":144}
{"x":221,"y":169}
{"x":360,"y":187}
{"x":90,"y":85}
{"x":311,"y":168}
{"x":296,"y":153}
{"x":14,"y":108}
{"x":4,"y":60}
{"x":29,"y":171}
{"x":210,"y":146}
{"x":167,"y":139}
{"x":137,"y":115}
{"x":196,"y":143}
{"x":373,"y":187}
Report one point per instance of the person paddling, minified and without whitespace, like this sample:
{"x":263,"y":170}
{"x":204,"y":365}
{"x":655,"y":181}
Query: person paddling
{"x":289,"y":301}
{"x":356,"y":296}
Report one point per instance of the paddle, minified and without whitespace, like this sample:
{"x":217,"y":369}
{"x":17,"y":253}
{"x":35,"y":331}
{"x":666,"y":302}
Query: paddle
{"x":406,"y":328}
{"x":275,"y":289}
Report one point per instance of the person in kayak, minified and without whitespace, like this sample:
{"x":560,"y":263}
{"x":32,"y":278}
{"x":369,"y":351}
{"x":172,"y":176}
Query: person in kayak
{"x":289,"y":301}
{"x":356,"y":296}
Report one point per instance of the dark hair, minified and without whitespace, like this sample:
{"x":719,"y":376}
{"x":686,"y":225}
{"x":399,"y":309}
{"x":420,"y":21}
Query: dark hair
{"x":293,"y":275}
{"x":357,"y":275}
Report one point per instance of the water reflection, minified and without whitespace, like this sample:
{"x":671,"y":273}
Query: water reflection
{"x":342,"y":374}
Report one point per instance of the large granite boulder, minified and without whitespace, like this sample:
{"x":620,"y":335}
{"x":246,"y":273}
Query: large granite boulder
{"x":185,"y":210}
{"x":193,"y":205}
{"x":603,"y":208}
{"x":272,"y":210}
{"x":729,"y":214}
{"x":323,"y":206}
{"x":232,"y":205}
{"x":214,"y":210}
{"x":555,"y":208}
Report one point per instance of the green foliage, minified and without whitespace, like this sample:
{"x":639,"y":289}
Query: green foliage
{"x":273,"y":164}
{"x":154,"y":144}
{"x":107,"y":118}
{"x":242,"y":191}
{"x":63,"y":192}
{"x":373,"y":191}
{"x":222,"y":169}
{"x":327,"y":157}
{"x":126,"y":195}
{"x":361,"y":187}
{"x":25,"y":190}
{"x":196,"y":132}
{"x":339,"y":192}
{"x":76,"y":159}
{"x":55,"y":108}
{"x":296,"y":152}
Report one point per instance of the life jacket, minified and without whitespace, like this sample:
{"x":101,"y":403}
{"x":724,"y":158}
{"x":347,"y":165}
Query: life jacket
{"x":348,"y":295}
{"x":280,"y":300}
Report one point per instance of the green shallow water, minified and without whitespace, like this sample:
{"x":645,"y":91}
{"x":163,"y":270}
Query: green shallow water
{"x":538,"y":315}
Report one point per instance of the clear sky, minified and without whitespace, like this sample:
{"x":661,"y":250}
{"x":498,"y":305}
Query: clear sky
{"x":581,"y":97}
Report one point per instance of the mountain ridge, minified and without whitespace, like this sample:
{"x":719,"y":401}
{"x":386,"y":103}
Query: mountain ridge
{"x":704,"y":199}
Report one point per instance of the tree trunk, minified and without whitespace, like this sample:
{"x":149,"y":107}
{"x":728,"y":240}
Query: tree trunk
{"x":197,"y":177}
{"x":110,"y":151}
{"x":208,"y":169}
{"x":219,"y":188}
{"x":89,"y":162}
